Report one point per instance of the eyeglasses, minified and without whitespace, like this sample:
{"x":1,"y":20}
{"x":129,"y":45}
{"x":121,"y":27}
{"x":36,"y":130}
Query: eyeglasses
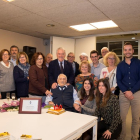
{"x":94,"y":56}
{"x":39,"y":59}
{"x":5,"y":54}
{"x":111,"y":58}
{"x":21,"y":57}
{"x":71,"y":56}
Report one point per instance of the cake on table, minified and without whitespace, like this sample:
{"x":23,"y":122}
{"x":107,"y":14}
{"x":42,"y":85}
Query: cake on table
{"x":4,"y":136}
{"x":26,"y":137}
{"x":56,"y":110}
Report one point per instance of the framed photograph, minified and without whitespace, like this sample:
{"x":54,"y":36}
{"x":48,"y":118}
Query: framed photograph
{"x":30,"y":106}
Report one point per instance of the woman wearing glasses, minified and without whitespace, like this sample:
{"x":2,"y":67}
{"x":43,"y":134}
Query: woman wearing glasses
{"x":111,"y":61}
{"x":7,"y":84}
{"x":38,"y":75}
{"x":21,"y":75}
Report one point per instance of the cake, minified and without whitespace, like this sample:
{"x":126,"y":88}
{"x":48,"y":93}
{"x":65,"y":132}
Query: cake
{"x":56,"y":110}
{"x":26,"y":137}
{"x":4,"y":136}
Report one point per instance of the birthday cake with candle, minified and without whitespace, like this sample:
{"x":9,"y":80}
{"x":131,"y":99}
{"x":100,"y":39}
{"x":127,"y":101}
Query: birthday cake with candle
{"x":56,"y":110}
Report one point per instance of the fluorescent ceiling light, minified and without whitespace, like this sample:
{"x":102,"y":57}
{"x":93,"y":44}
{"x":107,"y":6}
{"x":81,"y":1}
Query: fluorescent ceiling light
{"x":83,"y":27}
{"x":133,"y":38}
{"x":104,"y":24}
{"x":8,"y":0}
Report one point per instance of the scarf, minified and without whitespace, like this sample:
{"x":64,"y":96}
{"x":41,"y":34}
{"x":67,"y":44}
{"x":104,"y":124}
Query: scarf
{"x":24,"y":68}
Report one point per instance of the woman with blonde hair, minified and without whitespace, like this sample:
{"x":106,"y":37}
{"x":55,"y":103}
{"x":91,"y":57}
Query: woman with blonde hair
{"x":85,"y":69}
{"x":21,"y":74}
{"x":111,"y":60}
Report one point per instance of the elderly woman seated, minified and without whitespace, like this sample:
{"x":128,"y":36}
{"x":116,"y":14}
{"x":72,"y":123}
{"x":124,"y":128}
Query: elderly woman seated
{"x":65,"y":95}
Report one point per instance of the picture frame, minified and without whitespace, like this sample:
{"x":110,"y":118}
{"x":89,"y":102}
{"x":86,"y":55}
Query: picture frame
{"x":30,"y":106}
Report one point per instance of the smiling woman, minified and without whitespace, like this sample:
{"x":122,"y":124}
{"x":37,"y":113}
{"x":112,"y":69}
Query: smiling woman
{"x":21,"y":75}
{"x":38,"y":75}
{"x":6,"y":74}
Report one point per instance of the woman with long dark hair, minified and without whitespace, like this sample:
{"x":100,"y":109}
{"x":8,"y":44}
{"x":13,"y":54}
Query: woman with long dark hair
{"x":87,"y":98}
{"x":107,"y":108}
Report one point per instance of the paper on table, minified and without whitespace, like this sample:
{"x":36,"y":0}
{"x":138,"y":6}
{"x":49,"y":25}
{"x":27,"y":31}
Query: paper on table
{"x":30,"y":105}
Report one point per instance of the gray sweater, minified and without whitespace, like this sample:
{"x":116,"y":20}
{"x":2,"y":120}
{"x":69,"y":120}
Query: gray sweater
{"x":6,"y":78}
{"x":89,"y":106}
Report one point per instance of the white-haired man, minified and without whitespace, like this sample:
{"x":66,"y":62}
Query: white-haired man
{"x":59,"y":66}
{"x":104,"y":51}
{"x":65,"y":95}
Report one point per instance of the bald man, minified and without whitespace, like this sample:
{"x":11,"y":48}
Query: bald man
{"x":65,"y":95}
{"x":48,"y":59}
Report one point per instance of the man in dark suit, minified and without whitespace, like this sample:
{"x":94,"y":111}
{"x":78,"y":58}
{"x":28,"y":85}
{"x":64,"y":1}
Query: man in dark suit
{"x":59,"y":66}
{"x":75,"y":65}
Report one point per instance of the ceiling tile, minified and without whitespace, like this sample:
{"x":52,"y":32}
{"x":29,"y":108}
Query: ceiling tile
{"x":42,"y":5}
{"x":8,"y":11}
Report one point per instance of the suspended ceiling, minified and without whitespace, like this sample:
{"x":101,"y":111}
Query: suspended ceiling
{"x":30,"y":17}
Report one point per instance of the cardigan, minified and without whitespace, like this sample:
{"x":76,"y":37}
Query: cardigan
{"x":89,"y":106}
{"x":7,"y":83}
{"x":37,"y":78}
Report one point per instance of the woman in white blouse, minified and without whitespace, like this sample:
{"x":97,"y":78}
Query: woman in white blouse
{"x":111,"y":60}
{"x":7,"y":84}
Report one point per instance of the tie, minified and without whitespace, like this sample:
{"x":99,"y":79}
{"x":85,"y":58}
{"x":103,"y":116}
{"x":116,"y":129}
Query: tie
{"x":61,"y":67}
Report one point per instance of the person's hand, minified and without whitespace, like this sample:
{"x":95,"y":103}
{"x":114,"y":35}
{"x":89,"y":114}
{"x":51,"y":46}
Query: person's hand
{"x":48,"y":92}
{"x":28,"y":77}
{"x":54,"y":85}
{"x":129,"y":95}
{"x":0,"y":96}
{"x":113,"y":88}
{"x":77,"y":107}
{"x":107,"y":134}
{"x":68,"y":84}
{"x":51,"y":103}
{"x":96,"y":79}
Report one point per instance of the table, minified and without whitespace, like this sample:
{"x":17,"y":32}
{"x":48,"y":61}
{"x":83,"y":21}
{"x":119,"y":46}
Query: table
{"x":66,"y":126}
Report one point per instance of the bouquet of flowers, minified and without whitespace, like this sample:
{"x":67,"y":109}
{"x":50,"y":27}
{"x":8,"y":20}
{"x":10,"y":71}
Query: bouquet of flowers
{"x":13,"y":106}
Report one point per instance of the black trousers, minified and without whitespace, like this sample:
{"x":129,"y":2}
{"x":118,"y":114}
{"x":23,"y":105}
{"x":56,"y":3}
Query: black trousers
{"x":102,"y":127}
{"x":3,"y":94}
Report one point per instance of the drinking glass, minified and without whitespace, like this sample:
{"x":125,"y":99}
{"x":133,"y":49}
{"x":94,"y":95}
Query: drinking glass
{"x":13,"y":96}
{"x":8,"y":96}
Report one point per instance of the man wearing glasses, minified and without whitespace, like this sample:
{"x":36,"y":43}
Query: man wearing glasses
{"x":75,"y":65}
{"x":96,"y":66}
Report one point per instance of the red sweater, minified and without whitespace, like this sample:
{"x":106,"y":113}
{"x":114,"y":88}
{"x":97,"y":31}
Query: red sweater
{"x":37,"y":80}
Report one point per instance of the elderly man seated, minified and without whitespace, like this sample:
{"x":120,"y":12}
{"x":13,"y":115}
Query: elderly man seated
{"x":65,"y":95}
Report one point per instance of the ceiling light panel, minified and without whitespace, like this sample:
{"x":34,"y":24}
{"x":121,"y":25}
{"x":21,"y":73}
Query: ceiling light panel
{"x":104,"y":24}
{"x":83,"y":27}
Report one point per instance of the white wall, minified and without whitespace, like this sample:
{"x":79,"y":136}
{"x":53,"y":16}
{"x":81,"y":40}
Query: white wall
{"x":85,"y":45}
{"x":8,"y":38}
{"x":66,"y":43}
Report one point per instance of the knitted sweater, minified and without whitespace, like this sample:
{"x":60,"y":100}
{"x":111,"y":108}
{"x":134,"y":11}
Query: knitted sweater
{"x":6,"y":78}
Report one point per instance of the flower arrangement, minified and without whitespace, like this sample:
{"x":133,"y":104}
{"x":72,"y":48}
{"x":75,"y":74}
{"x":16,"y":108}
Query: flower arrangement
{"x":13,"y":106}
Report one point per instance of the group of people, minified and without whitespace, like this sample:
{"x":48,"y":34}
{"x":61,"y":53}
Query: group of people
{"x":105,"y":87}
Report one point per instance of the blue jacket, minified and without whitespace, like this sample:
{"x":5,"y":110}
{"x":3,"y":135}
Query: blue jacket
{"x":21,"y":82}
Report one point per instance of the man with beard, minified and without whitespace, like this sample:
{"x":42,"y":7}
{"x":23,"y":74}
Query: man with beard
{"x":13,"y":51}
{"x":128,"y":80}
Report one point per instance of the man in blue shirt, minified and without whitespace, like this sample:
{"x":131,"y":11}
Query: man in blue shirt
{"x":96,"y":66}
{"x":128,"y":80}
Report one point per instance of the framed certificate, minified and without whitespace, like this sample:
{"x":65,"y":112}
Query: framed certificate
{"x":30,"y":106}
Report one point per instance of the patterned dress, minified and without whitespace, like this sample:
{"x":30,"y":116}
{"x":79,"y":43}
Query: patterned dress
{"x":110,"y":113}
{"x":79,"y":81}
